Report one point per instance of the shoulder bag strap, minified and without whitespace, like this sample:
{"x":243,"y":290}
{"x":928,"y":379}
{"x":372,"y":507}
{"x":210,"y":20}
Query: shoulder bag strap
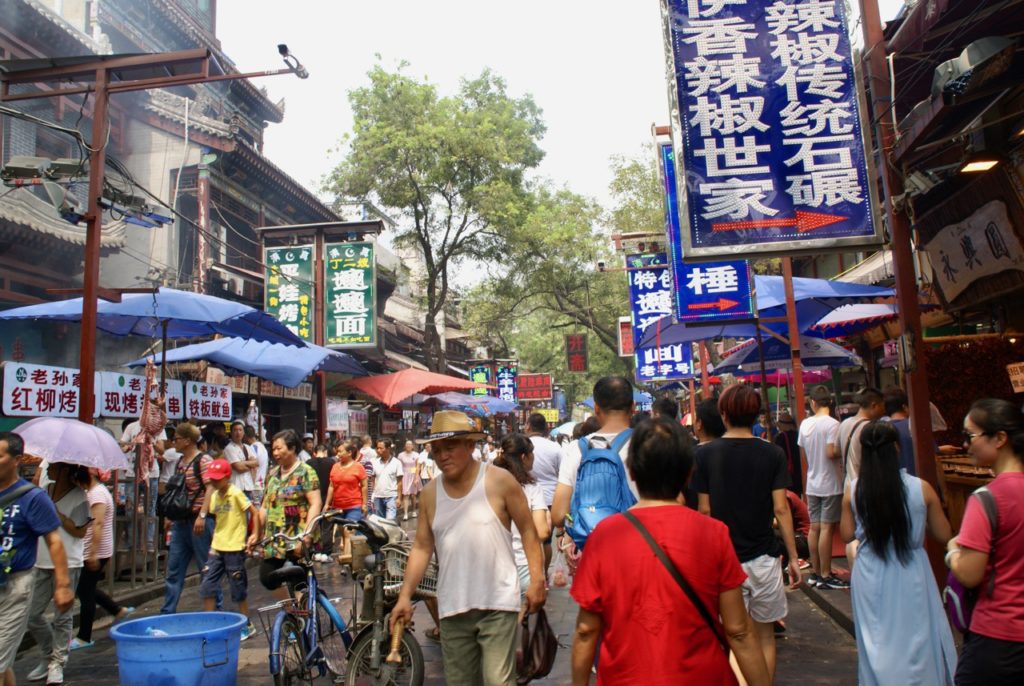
{"x":849,"y":442}
{"x":679,"y":579}
{"x":14,"y":495}
{"x":988,"y":505}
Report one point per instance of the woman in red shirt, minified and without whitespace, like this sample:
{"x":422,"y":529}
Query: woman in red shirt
{"x":993,"y":652}
{"x":347,"y":492}
{"x":650,"y":631}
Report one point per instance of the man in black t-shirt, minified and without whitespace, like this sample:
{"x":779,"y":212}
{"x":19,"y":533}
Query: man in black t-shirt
{"x":742,"y":481}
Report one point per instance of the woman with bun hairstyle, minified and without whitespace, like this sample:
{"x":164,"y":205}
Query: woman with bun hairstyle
{"x":516,"y":456}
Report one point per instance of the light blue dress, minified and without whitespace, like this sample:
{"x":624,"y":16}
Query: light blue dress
{"x":903,"y":636}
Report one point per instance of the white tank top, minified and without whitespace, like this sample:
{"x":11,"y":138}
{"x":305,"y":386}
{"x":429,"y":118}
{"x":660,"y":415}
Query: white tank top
{"x":476,"y":567}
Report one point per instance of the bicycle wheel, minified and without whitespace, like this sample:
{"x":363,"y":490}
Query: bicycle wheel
{"x":329,"y":635}
{"x":293,"y":654}
{"x":408,"y":673}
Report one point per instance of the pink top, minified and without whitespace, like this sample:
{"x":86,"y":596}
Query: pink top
{"x":1002,"y":615}
{"x":95,"y":495}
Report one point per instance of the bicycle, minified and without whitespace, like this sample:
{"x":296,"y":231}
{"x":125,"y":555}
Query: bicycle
{"x":308,"y":637}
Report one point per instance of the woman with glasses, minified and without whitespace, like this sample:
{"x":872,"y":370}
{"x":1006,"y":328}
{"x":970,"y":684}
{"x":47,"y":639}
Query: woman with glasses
{"x":903,"y":636}
{"x":993,"y":650}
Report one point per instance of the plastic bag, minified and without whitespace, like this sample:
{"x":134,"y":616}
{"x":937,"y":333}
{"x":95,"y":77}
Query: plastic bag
{"x":559,"y":570}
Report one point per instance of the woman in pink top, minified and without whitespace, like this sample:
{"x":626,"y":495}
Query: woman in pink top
{"x":993,"y":651}
{"x":99,"y":548}
{"x":411,"y":483}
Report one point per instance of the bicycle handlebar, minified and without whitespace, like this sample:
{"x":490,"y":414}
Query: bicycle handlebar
{"x":332,"y":515}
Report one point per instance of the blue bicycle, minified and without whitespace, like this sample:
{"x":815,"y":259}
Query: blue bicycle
{"x":308,"y":637}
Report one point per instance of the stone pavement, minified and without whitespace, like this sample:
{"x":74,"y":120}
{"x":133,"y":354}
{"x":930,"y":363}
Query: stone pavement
{"x":814,"y":650}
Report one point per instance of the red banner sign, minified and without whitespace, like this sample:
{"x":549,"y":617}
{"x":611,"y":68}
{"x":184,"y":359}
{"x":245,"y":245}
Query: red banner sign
{"x":535,"y":387}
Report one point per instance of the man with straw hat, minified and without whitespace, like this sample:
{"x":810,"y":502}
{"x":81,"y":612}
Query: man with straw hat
{"x":466,"y":516}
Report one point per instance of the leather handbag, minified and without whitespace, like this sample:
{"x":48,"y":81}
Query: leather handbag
{"x":539,"y":648}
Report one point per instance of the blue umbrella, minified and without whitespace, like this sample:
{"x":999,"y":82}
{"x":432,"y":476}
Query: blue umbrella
{"x":485,"y":404}
{"x":183,"y":314}
{"x":565,"y":429}
{"x":286,"y":365}
{"x":853,"y":319}
{"x":814,"y":299}
{"x":639,"y":397}
{"x":814,"y":352}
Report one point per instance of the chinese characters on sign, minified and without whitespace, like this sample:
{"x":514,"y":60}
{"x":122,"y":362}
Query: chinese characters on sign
{"x":358,"y":422}
{"x":337,"y":414}
{"x":350,"y":301}
{"x":626,"y":337}
{"x":768,"y":128}
{"x":207,"y":401}
{"x":288,"y":295}
{"x":576,"y":352}
{"x":506,"y":378}
{"x":650,"y":296}
{"x":480,"y":374}
{"x":34,"y":390}
{"x":535,"y":387}
{"x":121,"y":395}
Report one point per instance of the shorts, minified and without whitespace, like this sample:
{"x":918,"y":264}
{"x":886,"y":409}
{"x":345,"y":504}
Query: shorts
{"x":763,"y":592}
{"x":986,"y":661}
{"x":825,"y":509}
{"x":15,"y":598}
{"x":219,"y":563}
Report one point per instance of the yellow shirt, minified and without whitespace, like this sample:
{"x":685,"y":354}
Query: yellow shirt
{"x":229,"y":509}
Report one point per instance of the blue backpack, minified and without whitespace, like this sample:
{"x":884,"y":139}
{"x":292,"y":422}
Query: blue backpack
{"x":602,"y":488}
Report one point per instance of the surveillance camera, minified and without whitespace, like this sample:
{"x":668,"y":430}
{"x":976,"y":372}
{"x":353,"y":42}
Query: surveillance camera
{"x":282,"y":49}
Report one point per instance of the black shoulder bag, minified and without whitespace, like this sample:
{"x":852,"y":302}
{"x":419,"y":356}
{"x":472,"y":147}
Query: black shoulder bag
{"x":175,"y":504}
{"x":679,"y":579}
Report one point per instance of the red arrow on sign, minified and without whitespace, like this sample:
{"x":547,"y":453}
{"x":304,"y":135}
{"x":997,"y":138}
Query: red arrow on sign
{"x":804,"y":222}
{"x":722,"y":305}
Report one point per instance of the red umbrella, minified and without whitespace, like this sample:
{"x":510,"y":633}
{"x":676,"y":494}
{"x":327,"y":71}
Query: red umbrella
{"x":392,"y":389}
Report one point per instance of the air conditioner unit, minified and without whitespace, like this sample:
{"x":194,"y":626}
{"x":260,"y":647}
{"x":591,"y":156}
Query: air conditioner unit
{"x":235,"y":285}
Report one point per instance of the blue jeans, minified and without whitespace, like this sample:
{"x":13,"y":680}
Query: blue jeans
{"x":386,"y":507}
{"x":354,"y":514}
{"x":186,"y":547}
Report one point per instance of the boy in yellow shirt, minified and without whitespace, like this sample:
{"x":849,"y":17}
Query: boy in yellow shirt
{"x":229,"y":547}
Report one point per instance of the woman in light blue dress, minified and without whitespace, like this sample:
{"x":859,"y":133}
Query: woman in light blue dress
{"x":903,"y":636}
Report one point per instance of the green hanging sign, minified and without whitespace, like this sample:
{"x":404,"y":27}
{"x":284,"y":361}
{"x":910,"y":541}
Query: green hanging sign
{"x":350,"y":311}
{"x":288,"y":295}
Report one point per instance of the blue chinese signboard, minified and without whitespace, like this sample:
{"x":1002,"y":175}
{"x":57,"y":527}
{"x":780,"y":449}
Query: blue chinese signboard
{"x":705,"y":291}
{"x":768,"y":127}
{"x":650,"y":297}
{"x":506,"y":378}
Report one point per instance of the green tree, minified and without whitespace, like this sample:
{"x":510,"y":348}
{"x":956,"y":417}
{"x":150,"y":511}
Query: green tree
{"x":637,"y":193}
{"x":550,"y":286}
{"x":451,"y":167}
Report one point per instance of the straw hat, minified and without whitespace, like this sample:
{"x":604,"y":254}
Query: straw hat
{"x":452,"y":424}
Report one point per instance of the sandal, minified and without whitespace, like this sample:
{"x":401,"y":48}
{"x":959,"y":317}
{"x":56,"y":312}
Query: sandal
{"x":433,"y":634}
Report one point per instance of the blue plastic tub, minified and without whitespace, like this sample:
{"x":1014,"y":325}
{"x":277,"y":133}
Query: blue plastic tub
{"x":200,"y":649}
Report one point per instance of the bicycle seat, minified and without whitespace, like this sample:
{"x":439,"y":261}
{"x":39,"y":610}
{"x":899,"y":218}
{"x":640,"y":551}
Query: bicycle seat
{"x":289,"y":574}
{"x":376,"y":535}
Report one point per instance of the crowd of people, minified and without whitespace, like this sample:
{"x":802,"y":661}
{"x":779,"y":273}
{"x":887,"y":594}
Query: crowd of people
{"x":681,"y":541}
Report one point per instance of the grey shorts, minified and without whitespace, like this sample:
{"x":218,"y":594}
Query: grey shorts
{"x":15,"y":598}
{"x":825,"y":508}
{"x":763,"y":591}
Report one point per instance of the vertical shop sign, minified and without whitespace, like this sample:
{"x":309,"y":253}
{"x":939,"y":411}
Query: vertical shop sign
{"x":650,"y":297}
{"x":576,"y":358}
{"x":350,"y":301}
{"x":768,"y":127}
{"x":288,"y":295}
{"x":480,"y":374}
{"x":506,"y":381}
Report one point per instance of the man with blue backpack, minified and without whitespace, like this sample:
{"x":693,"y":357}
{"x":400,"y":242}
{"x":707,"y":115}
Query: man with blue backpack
{"x":592,"y":479}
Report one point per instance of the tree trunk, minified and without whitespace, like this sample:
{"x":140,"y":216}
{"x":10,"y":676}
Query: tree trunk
{"x":433,"y":347}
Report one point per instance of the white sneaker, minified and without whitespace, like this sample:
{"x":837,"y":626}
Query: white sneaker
{"x":40,"y":672}
{"x":55,"y":675}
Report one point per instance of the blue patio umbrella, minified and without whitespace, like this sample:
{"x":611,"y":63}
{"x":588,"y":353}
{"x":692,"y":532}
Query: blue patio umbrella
{"x":286,"y":365}
{"x":564,"y":429}
{"x":814,"y":299}
{"x":849,"y":320}
{"x":814,"y":352}
{"x":485,"y":404}
{"x":168,"y":313}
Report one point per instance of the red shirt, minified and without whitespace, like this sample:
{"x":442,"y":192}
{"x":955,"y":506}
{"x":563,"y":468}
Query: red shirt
{"x":1002,"y":615}
{"x":347,"y":481}
{"x":801,"y":517}
{"x":651,"y":632}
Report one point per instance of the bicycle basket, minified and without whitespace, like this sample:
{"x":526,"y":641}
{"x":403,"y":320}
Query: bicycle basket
{"x":268,"y":614}
{"x":396,"y":556}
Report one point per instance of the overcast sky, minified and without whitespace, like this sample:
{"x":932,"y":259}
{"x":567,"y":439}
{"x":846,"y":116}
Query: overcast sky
{"x":596,"y":69}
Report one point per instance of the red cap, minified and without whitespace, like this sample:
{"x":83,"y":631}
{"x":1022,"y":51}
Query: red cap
{"x":218,"y":469}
